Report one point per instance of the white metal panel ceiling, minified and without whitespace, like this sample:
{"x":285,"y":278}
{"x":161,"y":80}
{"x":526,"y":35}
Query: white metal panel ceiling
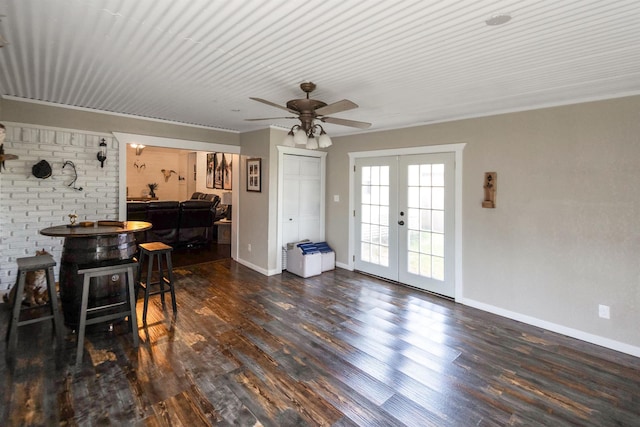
{"x":403,"y":62}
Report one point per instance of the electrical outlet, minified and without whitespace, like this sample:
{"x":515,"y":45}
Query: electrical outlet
{"x":249,"y":247}
{"x":604,"y":311}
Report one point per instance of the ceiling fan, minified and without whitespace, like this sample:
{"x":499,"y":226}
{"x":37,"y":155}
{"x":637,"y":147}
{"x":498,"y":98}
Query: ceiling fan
{"x":308,"y":111}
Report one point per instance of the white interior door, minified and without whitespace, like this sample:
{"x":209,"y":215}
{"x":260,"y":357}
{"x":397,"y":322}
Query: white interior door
{"x":302,"y":193}
{"x":405,"y":220}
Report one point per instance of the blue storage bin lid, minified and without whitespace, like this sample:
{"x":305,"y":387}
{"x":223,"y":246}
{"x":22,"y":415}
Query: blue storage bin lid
{"x":323,"y":247}
{"x":308,"y":248}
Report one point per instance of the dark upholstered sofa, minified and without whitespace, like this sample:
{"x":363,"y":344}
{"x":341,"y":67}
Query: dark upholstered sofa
{"x":178,"y":223}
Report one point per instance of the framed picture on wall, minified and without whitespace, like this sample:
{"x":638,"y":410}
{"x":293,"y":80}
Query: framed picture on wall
{"x":218,"y":170}
{"x":226,"y":171}
{"x":254,"y":175}
{"x":210,"y":169}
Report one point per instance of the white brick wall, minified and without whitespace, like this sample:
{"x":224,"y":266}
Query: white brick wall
{"x":29,"y":204}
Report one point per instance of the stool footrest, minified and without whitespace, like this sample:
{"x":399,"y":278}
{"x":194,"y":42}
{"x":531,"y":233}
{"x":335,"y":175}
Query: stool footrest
{"x":102,"y":266}
{"x":107,"y":317}
{"x":107,"y":306}
{"x":160,"y":291}
{"x":36,"y":320}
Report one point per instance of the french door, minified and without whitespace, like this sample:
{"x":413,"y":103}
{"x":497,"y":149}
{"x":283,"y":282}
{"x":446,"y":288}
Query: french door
{"x":404,"y":219}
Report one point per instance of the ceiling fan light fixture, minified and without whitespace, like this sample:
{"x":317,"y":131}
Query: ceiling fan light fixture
{"x":308,"y":110}
{"x":324,"y":141}
{"x":288,"y":140}
{"x":312,"y":143}
{"x":300,"y":136}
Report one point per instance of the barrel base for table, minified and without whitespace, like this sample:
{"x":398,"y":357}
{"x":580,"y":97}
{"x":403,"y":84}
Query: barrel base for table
{"x":77,"y":251}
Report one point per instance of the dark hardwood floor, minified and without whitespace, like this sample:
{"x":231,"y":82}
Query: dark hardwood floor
{"x":338,"y":349}
{"x":183,"y":256}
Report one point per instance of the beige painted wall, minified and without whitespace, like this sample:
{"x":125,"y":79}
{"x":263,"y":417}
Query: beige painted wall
{"x":61,"y":117}
{"x":253,"y":209}
{"x":565,"y":235}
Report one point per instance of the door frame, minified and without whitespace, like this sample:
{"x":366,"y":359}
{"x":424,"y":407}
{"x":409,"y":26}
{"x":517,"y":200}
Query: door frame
{"x":457,"y":149}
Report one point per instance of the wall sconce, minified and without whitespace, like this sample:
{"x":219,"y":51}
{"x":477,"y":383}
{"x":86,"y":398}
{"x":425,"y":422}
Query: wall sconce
{"x":102,"y":154}
{"x":138,"y":147}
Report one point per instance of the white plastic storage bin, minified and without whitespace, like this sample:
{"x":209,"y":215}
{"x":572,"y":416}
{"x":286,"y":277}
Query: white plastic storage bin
{"x":304,"y":260}
{"x":328,"y":256}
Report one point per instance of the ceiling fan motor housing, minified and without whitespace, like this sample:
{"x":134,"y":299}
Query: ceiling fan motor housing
{"x":307,"y":110}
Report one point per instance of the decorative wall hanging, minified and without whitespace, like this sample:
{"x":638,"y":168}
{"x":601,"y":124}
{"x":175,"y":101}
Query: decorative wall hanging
{"x":226,"y":172}
{"x":41,"y":170}
{"x":217,"y":170}
{"x":211,"y":167}
{"x":3,"y":156}
{"x":72,"y":184}
{"x":254,"y":175}
{"x":167,"y":174}
{"x":490,"y":187}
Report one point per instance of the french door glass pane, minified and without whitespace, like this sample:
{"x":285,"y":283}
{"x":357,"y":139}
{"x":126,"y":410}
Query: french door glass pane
{"x":425,"y":225}
{"x":374,"y":213}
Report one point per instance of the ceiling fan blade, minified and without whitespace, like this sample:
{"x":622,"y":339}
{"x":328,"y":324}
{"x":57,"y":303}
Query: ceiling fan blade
{"x":345,"y":122}
{"x":336,"y":107}
{"x":270,"y":118}
{"x":273,"y":104}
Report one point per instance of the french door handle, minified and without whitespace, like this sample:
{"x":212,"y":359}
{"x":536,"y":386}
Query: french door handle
{"x":400,"y":222}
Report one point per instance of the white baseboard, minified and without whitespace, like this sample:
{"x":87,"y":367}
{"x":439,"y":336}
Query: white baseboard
{"x":255,"y":267}
{"x":574,"y":333}
{"x":344,"y":266}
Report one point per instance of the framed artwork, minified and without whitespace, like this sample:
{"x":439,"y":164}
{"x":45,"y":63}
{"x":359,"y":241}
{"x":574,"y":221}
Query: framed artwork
{"x":218,"y":170}
{"x":226,"y":171}
{"x":254,"y":175}
{"x":210,"y":170}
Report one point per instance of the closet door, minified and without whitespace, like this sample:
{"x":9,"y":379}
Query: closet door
{"x":302,"y":196}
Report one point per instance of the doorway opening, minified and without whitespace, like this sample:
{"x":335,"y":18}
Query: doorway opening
{"x":179,"y":168}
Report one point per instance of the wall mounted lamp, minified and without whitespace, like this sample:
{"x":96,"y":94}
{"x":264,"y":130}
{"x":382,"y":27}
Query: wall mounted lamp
{"x":138,"y":148}
{"x":102,"y":154}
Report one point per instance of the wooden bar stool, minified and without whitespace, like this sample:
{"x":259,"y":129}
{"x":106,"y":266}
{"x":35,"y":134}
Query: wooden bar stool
{"x":25,"y":265}
{"x":149,"y":251}
{"x":111,"y":310}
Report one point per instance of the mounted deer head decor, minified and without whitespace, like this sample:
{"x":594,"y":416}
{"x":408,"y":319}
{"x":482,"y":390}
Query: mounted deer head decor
{"x":167,"y":174}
